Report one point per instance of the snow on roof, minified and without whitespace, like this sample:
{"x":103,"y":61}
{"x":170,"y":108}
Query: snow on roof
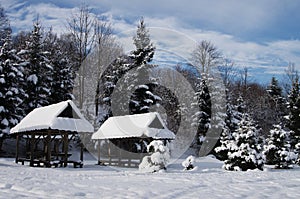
{"x":139,"y":125}
{"x":61,"y":116}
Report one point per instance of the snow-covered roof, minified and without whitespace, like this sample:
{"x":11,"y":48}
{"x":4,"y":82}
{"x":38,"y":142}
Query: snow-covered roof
{"x":139,"y":125}
{"x":61,"y":116}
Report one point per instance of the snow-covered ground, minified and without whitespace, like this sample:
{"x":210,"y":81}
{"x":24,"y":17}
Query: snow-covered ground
{"x":92,"y":181}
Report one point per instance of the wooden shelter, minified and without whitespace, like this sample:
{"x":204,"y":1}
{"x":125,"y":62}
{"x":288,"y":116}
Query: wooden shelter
{"x":51,"y":128}
{"x":120,"y":130}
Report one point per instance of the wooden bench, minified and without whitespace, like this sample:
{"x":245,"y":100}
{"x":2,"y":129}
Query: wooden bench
{"x":36,"y":163}
{"x":75,"y":163}
{"x":22,"y":160}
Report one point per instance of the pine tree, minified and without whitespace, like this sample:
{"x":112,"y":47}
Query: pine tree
{"x":63,"y":79}
{"x":226,"y":134}
{"x":143,"y":96}
{"x":245,"y":150}
{"x":276,"y":100}
{"x":11,"y":92}
{"x":202,"y":117}
{"x":109,"y":79}
{"x":233,"y":117}
{"x":274,"y":89}
{"x":38,"y":72}
{"x":63,"y":71}
{"x":136,"y":83}
{"x":278,"y":148}
{"x":144,"y":51}
{"x":293,"y":119}
{"x":5,"y":29}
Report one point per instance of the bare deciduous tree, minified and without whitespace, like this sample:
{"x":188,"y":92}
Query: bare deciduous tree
{"x":205,"y":56}
{"x":291,"y":74}
{"x":81,"y":28}
{"x":229,"y":72}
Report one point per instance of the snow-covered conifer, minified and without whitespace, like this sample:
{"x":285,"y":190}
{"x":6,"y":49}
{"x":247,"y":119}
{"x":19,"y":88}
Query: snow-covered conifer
{"x":245,"y":150}
{"x":63,"y":69}
{"x":278,"y":148}
{"x":293,"y":118}
{"x":5,"y":29}
{"x":203,"y":104}
{"x":276,"y":101}
{"x":233,"y":117}
{"x":11,"y":92}
{"x":143,"y":96}
{"x":38,"y":71}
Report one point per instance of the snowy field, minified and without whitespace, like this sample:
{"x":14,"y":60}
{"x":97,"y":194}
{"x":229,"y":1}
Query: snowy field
{"x":92,"y":181}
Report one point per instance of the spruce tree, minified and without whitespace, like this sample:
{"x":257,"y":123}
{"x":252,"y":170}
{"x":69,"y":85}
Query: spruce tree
{"x":38,"y":71}
{"x":11,"y":92}
{"x":293,"y":118}
{"x":5,"y":29}
{"x":109,"y":79}
{"x":276,"y":101}
{"x":63,"y":71}
{"x":203,"y":104}
{"x":226,"y":134}
{"x":245,"y":150}
{"x":278,"y":148}
{"x":63,"y":79}
{"x":234,"y":115}
{"x":143,"y":96}
{"x":274,"y":89}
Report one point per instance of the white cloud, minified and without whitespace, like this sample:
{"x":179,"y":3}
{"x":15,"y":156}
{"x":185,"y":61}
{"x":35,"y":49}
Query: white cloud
{"x":175,"y":26}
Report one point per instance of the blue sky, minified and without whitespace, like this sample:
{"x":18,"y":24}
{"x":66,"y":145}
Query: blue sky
{"x":263,"y":35}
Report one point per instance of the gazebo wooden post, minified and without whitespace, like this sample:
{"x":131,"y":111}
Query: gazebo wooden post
{"x":99,"y":161}
{"x":109,"y":155}
{"x":120,"y":152}
{"x":81,"y":151}
{"x":17,"y":149}
{"x":48,"y":151}
{"x":32,"y":143}
{"x":65,"y":141}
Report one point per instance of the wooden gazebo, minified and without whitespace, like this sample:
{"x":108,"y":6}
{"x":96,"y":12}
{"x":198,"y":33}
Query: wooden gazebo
{"x":118,"y":131}
{"x":51,"y":128}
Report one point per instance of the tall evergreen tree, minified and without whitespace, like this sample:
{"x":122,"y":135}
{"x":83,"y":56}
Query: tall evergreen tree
{"x":226,"y":134}
{"x":5,"y":29}
{"x":276,"y":101}
{"x":234,"y":114}
{"x":274,"y":89}
{"x":38,"y":71}
{"x":203,"y":104}
{"x":293,"y":119}
{"x":11,"y":92}
{"x":63,"y":71}
{"x":143,"y":96}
